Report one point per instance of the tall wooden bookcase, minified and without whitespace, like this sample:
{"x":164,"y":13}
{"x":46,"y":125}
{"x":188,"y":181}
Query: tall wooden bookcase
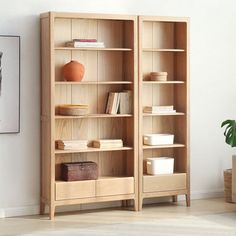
{"x":109,"y":69}
{"x":164,"y":46}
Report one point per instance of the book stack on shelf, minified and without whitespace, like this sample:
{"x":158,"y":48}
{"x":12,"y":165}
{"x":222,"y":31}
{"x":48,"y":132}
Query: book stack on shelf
{"x":71,"y":144}
{"x":119,"y":103}
{"x":108,"y":143}
{"x":85,"y":43}
{"x":159,"y":109}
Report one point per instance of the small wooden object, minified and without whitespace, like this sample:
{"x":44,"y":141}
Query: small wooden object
{"x":159,"y":76}
{"x":76,"y":171}
{"x":73,"y":110}
{"x":228,"y":185}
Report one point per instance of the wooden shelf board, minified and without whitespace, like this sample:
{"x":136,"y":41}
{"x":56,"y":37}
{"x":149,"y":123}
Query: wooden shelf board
{"x":163,"y":82}
{"x":164,"y":114}
{"x":99,"y":178}
{"x":163,"y":50}
{"x":94,"y":49}
{"x":91,"y":149}
{"x":91,"y":82}
{"x":94,"y":116}
{"x":175,"y":145}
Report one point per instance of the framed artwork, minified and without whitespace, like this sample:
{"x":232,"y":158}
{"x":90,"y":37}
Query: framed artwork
{"x":9,"y":84}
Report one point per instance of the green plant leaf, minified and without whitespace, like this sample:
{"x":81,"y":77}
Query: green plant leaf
{"x":230,"y":132}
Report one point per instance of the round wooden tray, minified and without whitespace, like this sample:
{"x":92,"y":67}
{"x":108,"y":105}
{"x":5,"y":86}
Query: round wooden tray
{"x":73,"y":110}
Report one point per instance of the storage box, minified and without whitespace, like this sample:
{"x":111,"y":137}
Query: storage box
{"x":160,"y":165}
{"x":158,"y":139}
{"x":86,"y":170}
{"x":158,"y":76}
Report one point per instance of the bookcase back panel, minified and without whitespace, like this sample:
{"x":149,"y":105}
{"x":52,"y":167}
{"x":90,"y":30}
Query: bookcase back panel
{"x":165,"y":35}
{"x":85,"y":94}
{"x":128,"y":66}
{"x":180,"y":66}
{"x":157,"y":95}
{"x":181,"y":160}
{"x":89,"y":59}
{"x":181,"y":129}
{"x":62,"y":95}
{"x":114,"y":33}
{"x":63,"y":129}
{"x":158,"y":62}
{"x":61,"y":58}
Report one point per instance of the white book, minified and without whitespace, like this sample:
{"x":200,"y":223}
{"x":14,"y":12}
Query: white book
{"x":77,"y":44}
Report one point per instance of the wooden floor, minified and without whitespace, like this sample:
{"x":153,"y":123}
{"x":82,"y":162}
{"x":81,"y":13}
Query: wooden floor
{"x":210,"y":214}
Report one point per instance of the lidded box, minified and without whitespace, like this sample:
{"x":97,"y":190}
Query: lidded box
{"x":160,"y":165}
{"x":158,"y":139}
{"x":159,"y":76}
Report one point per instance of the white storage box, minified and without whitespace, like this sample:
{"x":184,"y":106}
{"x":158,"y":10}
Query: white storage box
{"x":158,"y":139}
{"x":160,"y":165}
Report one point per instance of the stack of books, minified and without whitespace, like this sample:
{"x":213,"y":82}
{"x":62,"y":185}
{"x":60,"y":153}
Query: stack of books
{"x":108,"y":143}
{"x":85,"y":43}
{"x":159,"y":109}
{"x":119,"y":103}
{"x":71,"y":144}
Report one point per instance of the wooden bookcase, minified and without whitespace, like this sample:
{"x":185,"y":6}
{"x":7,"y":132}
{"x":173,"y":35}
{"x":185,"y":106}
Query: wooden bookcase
{"x":108,"y":69}
{"x":164,"y":46}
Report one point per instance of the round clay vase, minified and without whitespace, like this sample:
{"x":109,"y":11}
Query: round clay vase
{"x":73,"y":71}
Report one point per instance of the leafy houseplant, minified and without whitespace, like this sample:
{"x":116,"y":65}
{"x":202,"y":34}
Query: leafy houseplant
{"x":230,"y":132}
{"x":230,"y":138}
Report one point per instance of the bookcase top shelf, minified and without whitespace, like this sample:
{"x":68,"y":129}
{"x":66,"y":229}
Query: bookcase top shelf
{"x":94,"y":49}
{"x":92,"y":82}
{"x":94,"y":116}
{"x":91,"y":149}
{"x":163,"y":50}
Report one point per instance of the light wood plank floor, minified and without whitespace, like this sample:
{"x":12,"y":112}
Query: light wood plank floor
{"x":204,"y":217}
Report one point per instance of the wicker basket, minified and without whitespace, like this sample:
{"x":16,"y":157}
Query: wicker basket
{"x":228,"y":185}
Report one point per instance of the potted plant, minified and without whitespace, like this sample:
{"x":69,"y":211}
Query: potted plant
{"x":230,"y":138}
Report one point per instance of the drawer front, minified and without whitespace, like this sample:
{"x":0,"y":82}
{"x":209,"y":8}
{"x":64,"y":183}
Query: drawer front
{"x":164,"y":182}
{"x":109,"y":187}
{"x":72,"y":190}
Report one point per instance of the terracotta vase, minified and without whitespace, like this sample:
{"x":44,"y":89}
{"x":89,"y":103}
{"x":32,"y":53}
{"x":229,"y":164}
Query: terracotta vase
{"x":73,"y":71}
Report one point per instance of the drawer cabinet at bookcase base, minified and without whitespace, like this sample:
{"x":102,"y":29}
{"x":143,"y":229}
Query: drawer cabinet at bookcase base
{"x":94,"y":188}
{"x":167,"y":182}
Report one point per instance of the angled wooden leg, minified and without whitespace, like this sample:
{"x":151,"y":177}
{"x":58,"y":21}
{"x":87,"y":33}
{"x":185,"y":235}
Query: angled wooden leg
{"x":42,"y":208}
{"x":51,"y":211}
{"x":187,"y":199}
{"x":175,"y":198}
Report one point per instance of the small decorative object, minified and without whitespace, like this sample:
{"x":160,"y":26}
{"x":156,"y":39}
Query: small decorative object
{"x":158,"y":139}
{"x":160,"y":165}
{"x":108,"y":143}
{"x":9,"y":84}
{"x":85,"y":170}
{"x":73,"y":110}
{"x":229,"y":181}
{"x":73,"y":71}
{"x":158,"y":76}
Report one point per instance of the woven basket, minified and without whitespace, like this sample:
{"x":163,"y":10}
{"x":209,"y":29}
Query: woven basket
{"x":228,"y":185}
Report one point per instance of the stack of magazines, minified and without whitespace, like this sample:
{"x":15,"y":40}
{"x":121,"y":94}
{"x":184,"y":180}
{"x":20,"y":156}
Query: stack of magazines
{"x":85,"y":43}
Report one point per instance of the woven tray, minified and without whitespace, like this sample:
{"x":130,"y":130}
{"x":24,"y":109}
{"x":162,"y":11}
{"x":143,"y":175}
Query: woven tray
{"x":73,"y":110}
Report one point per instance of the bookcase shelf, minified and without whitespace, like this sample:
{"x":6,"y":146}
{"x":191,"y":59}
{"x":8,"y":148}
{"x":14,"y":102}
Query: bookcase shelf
{"x":110,"y":69}
{"x":90,"y":149}
{"x":164,"y":47}
{"x":95,"y":49}
{"x":93,"y":82}
{"x":163,"y":50}
{"x":94,"y":116}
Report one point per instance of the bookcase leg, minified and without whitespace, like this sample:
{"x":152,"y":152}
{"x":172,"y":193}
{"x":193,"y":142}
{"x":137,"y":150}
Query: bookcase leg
{"x":42,"y":208}
{"x":51,"y":212}
{"x":187,"y":199}
{"x":175,"y":198}
{"x":136,"y":206}
{"x":140,"y":204}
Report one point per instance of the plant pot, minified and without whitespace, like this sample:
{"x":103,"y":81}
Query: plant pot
{"x":73,"y":71}
{"x":228,"y":185}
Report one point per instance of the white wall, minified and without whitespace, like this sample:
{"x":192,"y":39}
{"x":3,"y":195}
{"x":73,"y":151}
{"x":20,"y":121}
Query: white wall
{"x":213,"y":96}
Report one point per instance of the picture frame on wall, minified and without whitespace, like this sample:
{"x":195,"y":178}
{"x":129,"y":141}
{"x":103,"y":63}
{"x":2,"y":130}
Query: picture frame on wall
{"x":9,"y":84}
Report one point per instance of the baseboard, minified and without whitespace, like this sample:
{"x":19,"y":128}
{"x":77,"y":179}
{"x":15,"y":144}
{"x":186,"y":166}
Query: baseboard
{"x":34,"y":210}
